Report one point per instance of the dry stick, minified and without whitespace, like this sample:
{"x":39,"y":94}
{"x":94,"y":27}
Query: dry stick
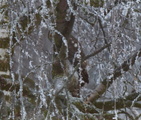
{"x":96,"y":52}
{"x":105,"y":40}
{"x":122,"y":102}
{"x":105,"y":84}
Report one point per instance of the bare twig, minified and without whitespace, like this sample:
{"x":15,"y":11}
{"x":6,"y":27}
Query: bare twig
{"x":105,"y":84}
{"x":96,"y":52}
{"x":124,"y":102}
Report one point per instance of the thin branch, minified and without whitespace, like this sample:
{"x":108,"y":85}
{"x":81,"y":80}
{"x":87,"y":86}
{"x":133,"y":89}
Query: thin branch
{"x":127,"y":114}
{"x":105,"y":40}
{"x":123,"y":102}
{"x":96,"y":52}
{"x":105,"y":84}
{"x":92,"y":24}
{"x":120,"y":103}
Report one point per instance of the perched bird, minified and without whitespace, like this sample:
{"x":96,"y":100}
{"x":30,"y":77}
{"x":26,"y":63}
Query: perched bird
{"x":75,"y":55}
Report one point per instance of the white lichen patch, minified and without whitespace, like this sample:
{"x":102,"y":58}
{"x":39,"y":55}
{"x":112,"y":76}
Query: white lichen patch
{"x":4,"y":73}
{"x":3,"y":53}
{"x":3,"y":33}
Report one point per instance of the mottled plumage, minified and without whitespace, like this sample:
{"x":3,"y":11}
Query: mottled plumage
{"x":74,"y":47}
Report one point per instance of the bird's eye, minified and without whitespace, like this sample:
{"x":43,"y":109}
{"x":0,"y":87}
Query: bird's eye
{"x":50,"y":35}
